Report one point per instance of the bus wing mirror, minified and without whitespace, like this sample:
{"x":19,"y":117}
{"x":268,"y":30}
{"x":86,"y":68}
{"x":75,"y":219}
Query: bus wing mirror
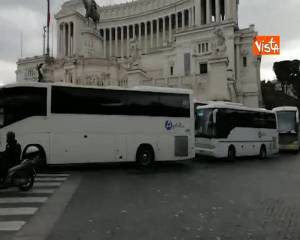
{"x":215,"y":115}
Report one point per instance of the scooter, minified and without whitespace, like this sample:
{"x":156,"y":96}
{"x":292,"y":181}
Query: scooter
{"x":23,"y":175}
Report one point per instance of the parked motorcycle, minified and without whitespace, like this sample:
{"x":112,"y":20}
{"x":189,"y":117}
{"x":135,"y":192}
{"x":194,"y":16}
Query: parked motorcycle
{"x":23,"y":175}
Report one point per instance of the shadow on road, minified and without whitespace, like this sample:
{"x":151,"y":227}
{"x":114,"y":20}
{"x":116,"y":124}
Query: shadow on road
{"x":196,"y":164}
{"x":209,"y":161}
{"x":131,"y":168}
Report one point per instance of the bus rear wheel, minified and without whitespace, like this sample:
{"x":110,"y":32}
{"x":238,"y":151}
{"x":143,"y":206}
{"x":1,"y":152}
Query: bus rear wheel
{"x":231,"y":154}
{"x":145,"y":156}
{"x":263,"y":152}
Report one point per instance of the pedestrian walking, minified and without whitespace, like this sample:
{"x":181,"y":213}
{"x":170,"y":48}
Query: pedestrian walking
{"x":11,"y":156}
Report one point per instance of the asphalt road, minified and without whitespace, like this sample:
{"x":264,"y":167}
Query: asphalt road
{"x":200,"y":199}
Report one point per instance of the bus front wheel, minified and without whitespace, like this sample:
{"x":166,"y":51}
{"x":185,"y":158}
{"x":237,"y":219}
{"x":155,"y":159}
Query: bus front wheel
{"x":231,"y":153}
{"x":145,"y":156}
{"x":263,"y":152}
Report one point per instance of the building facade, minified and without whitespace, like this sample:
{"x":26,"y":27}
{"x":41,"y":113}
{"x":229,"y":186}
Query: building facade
{"x":194,"y":44}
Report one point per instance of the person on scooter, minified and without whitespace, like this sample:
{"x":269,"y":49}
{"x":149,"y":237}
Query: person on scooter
{"x":31,"y":159}
{"x":11,"y":155}
{"x":3,"y":167}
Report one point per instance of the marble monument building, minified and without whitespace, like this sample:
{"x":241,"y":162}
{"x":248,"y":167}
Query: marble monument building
{"x":194,"y":44}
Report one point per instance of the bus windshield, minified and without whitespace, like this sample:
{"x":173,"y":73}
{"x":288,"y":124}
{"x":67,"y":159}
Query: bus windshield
{"x":287,"y":122}
{"x":20,"y":103}
{"x":204,"y":126}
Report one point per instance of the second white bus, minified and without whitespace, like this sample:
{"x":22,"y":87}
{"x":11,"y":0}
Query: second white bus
{"x":288,"y":128}
{"x":225,"y":130}
{"x":80,"y":124}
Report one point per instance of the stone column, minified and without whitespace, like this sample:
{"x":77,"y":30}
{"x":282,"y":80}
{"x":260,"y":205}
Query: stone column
{"x":104,"y":42}
{"x":57,"y":41}
{"x":122,"y":41}
{"x":151,"y":34}
{"x":66,"y":39}
{"x":190,"y":17}
{"x":116,"y":42}
{"x":62,"y":41}
{"x":237,"y":60}
{"x":128,"y":37}
{"x":74,"y":44}
{"x":176,"y":21}
{"x":217,"y":3}
{"x":227,"y":10}
{"x":170,"y":28}
{"x":70,"y":39}
{"x":157,"y":33}
{"x":164,"y":30}
{"x":182,"y":20}
{"x":200,"y":13}
{"x":146,"y":37}
{"x":110,"y":42}
{"x":208,"y":12}
{"x":193,"y":17}
{"x":140,"y":35}
{"x":234,"y":10}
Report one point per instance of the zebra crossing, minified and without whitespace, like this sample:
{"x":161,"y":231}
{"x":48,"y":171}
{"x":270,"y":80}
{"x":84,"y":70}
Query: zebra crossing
{"x":16,"y":207}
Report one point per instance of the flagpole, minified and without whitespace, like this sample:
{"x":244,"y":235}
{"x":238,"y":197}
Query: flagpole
{"x":48,"y":27}
{"x":21,"y":44}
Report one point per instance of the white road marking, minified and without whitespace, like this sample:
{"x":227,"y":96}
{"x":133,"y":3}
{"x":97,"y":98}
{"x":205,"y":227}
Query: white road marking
{"x":42,"y":181}
{"x":47,"y":184}
{"x":52,"y":175}
{"x":32,"y":191}
{"x":11,"y":225}
{"x":11,"y":200}
{"x":41,"y":191}
{"x":47,"y":179}
{"x":17,"y":211}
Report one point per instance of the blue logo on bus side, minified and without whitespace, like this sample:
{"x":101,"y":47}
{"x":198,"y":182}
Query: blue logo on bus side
{"x":169,"y":125}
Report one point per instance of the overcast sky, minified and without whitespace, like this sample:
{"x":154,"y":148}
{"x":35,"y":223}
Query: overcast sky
{"x":271,"y":17}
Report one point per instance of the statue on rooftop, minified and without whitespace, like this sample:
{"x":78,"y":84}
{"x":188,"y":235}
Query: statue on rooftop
{"x":40,"y":74}
{"x":91,"y":11}
{"x":219,"y":44}
{"x":135,"y":54}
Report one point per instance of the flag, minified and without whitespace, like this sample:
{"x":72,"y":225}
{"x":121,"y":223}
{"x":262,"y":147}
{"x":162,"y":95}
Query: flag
{"x":48,"y":16}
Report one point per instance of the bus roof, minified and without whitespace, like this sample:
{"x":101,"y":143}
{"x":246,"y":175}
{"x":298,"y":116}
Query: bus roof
{"x":217,"y":102}
{"x":138,"y":88}
{"x":161,"y":89}
{"x":235,"y":106}
{"x":285,"y":108}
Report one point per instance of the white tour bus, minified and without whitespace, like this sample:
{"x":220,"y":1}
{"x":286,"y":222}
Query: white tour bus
{"x":229,"y":130}
{"x":288,"y":128}
{"x":80,"y":124}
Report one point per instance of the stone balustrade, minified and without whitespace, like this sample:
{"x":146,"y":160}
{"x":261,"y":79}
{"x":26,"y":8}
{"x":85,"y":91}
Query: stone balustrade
{"x":190,"y":82}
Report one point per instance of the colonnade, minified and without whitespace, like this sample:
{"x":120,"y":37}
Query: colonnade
{"x":66,"y":39}
{"x":158,"y":32}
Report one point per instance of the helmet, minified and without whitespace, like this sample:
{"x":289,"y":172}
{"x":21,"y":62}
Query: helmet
{"x":31,"y":151}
